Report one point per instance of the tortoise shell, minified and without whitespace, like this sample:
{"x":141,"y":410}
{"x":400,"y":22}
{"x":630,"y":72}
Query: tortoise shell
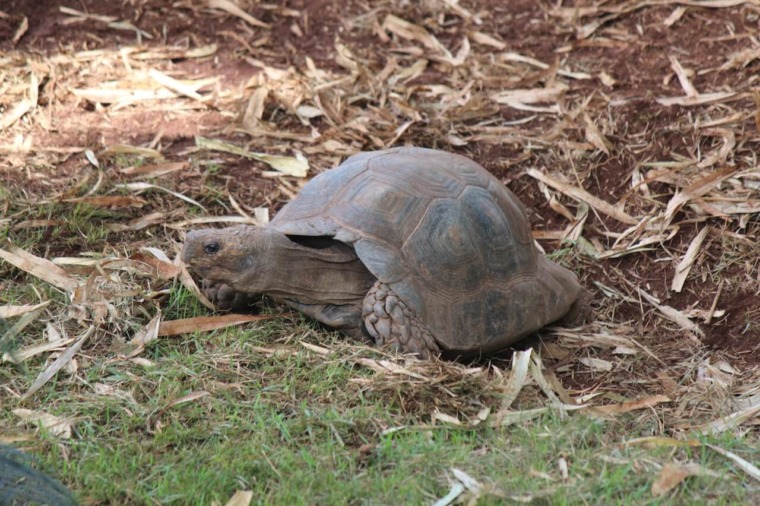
{"x":451,"y":240}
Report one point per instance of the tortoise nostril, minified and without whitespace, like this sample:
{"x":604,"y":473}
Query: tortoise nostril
{"x":211,"y":248}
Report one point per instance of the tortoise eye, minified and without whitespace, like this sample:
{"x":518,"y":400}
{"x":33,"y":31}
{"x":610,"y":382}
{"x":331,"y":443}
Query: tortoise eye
{"x":211,"y":248}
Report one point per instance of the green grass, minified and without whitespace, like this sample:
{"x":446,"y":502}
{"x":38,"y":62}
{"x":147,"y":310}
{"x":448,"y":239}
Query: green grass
{"x":306,"y":429}
{"x":297,"y":427}
{"x":75,"y":224}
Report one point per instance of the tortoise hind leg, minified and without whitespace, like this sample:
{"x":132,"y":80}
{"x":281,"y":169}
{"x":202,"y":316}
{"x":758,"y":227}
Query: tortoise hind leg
{"x":390,"y":322}
{"x":580,"y":312}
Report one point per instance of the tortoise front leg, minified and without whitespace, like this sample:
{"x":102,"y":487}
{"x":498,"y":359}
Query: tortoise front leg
{"x":392,"y":323}
{"x":346,"y":318}
{"x":226,"y":298}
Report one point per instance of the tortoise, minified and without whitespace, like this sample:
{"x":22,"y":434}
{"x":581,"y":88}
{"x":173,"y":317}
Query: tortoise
{"x":416,"y":249}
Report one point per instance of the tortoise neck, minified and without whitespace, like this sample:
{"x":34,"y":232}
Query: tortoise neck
{"x":309,"y":270}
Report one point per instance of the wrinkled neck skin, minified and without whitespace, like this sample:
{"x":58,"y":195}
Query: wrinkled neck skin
{"x":288,"y":271}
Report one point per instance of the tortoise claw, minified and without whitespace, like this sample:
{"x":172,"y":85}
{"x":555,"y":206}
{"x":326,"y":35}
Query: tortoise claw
{"x":225,"y":298}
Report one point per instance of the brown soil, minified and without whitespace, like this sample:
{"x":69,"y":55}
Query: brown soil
{"x":633,"y":50}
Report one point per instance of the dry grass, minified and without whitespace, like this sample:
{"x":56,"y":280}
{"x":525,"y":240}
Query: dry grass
{"x":628,"y":128}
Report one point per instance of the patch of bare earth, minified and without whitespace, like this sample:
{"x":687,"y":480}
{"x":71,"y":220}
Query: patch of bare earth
{"x":630,"y":131}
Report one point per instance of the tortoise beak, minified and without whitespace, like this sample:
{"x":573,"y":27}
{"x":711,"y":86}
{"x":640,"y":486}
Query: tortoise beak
{"x":191,"y":247}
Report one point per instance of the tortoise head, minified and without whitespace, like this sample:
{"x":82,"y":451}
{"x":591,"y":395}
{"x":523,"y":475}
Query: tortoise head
{"x":227,"y":255}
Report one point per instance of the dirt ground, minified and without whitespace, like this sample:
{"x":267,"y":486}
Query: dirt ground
{"x":626,"y":127}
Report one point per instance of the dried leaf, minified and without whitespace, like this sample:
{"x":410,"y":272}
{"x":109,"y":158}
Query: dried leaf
{"x":206,"y":323}
{"x":537,"y":373}
{"x":594,"y":135}
{"x":677,"y":14}
{"x":644,"y":402}
{"x":658,"y":441}
{"x":231,"y":8}
{"x":169,"y":52}
{"x":465,"y":479}
{"x":174,"y":85}
{"x":671,"y":313}
{"x":316,"y":349}
{"x":456,"y":490}
{"x":240,"y":498}
{"x":292,"y":166}
{"x":443,"y":417}
{"x":581,"y":194}
{"x":124,"y":149}
{"x":695,"y":190}
{"x":57,"y":426}
{"x":414,"y":32}
{"x":21,"y":30}
{"x":154,"y":169}
{"x":743,"y":464}
{"x":140,"y":223}
{"x":254,"y":111}
{"x":8,"y":337}
{"x":672,"y":475}
{"x":187,"y":281}
{"x":163,"y":267}
{"x":522,"y":99}
{"x":128,"y":92}
{"x":191,"y":397}
{"x":701,"y":99}
{"x":38,"y":267}
{"x":389,"y":367}
{"x":19,"y":109}
{"x":146,"y":334}
{"x":139,"y":187}
{"x":596,"y":364}
{"x":14,"y":311}
{"x":59,"y":363}
{"x":517,"y":377}
{"x":688,"y":88}
{"x":28,"y":352}
{"x":487,"y":40}
{"x":506,"y":418}
{"x":729,"y":422}
{"x":215,"y":219}
{"x":112,"y":202}
{"x":684,"y":266}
